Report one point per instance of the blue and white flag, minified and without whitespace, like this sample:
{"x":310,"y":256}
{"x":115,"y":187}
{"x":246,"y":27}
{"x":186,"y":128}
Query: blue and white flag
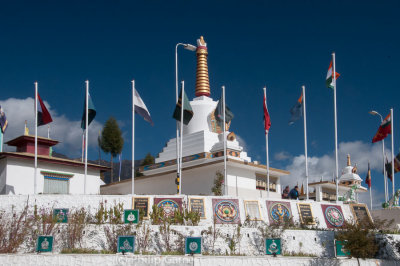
{"x":3,"y":120}
{"x":141,"y":109}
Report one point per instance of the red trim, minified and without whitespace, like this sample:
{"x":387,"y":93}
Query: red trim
{"x":23,"y":139}
{"x":202,"y":47}
{"x":198,"y":94}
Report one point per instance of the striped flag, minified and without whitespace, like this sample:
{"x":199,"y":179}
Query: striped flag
{"x":368,"y":178}
{"x":141,"y":109}
{"x":187,"y":109}
{"x":383,"y":130}
{"x":388,"y":167}
{"x":329,"y":77}
{"x":3,"y":121}
{"x":297,"y":110}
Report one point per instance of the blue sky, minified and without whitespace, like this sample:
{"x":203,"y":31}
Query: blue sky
{"x":280,"y":44}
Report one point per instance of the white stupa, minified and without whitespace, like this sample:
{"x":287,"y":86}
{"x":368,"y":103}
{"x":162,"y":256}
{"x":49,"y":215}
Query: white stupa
{"x":203,"y":155}
{"x":349,"y":180}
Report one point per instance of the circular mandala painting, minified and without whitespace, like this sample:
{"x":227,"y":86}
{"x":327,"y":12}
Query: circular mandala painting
{"x":169,"y":206}
{"x":279,"y":212}
{"x":193,"y":246}
{"x":334,"y":216}
{"x":226,"y":211}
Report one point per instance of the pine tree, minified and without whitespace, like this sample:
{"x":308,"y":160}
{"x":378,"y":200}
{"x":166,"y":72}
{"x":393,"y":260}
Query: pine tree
{"x":218,"y":184}
{"x":111,"y":140}
{"x":149,"y":159}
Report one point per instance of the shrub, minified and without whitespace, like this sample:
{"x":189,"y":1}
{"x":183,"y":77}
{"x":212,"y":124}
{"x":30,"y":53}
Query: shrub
{"x":113,"y":231}
{"x":73,"y":232}
{"x":41,"y":222}
{"x":13,"y":229}
{"x":359,"y":239}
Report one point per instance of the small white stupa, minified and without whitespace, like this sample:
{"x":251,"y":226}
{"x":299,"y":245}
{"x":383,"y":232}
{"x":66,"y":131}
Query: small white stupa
{"x":349,"y":186}
{"x":349,"y":175}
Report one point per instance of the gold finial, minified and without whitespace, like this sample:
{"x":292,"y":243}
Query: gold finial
{"x":354,"y":171}
{"x":348,"y":160}
{"x":202,"y":79}
{"x":26,"y":131}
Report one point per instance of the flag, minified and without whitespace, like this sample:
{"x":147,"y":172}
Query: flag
{"x":44,"y":116}
{"x":91,"y":113}
{"x":219,"y":114}
{"x":297,"y":110}
{"x":368,"y":178}
{"x":3,"y":120}
{"x":384,"y":129}
{"x":141,"y":109}
{"x":329,"y":77}
{"x":388,"y":166}
{"x":267,"y":119}
{"x":187,"y":109}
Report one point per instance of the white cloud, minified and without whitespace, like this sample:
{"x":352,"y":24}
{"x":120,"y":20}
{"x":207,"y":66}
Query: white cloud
{"x":282,"y":156}
{"x":324,"y":166}
{"x":242,"y":142}
{"x":67,"y":131}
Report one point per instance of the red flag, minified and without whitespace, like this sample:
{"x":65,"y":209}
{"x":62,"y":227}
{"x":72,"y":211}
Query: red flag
{"x":44,"y":116}
{"x":368,"y":178}
{"x":384,"y":129}
{"x":267,"y":119}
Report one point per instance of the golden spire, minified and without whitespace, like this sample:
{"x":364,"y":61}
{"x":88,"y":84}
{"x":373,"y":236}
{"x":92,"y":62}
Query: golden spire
{"x":202,"y":79}
{"x":348,"y":160}
{"x":26,"y":131}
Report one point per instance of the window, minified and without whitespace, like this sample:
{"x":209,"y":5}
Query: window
{"x":56,"y":183}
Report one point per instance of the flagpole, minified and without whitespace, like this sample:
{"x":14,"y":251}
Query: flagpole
{"x":181,"y":136}
{"x":83,"y":145}
{"x":305,"y":136}
{"x":120,"y":165}
{"x":335,"y":111}
{"x":177,"y":123}
{"x":266,"y":145}
{"x":86,"y":132}
{"x":224,"y":138}
{"x":36,"y":126}
{"x":370,"y":187}
{"x":384,"y":168}
{"x":48,"y":131}
{"x":392,"y":134}
{"x":1,"y":140}
{"x":133,"y":137}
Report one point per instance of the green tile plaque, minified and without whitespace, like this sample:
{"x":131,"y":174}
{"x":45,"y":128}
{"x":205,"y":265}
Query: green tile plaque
{"x":131,"y":216}
{"x":44,"y":244}
{"x":340,"y":251}
{"x":61,"y":215}
{"x":193,"y":245}
{"x":126,"y":244}
{"x":273,"y":246}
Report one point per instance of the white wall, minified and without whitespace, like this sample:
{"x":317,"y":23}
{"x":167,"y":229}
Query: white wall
{"x":95,"y":260}
{"x":196,"y":181}
{"x":20,"y":177}
{"x":92,"y":202}
{"x":3,"y":176}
